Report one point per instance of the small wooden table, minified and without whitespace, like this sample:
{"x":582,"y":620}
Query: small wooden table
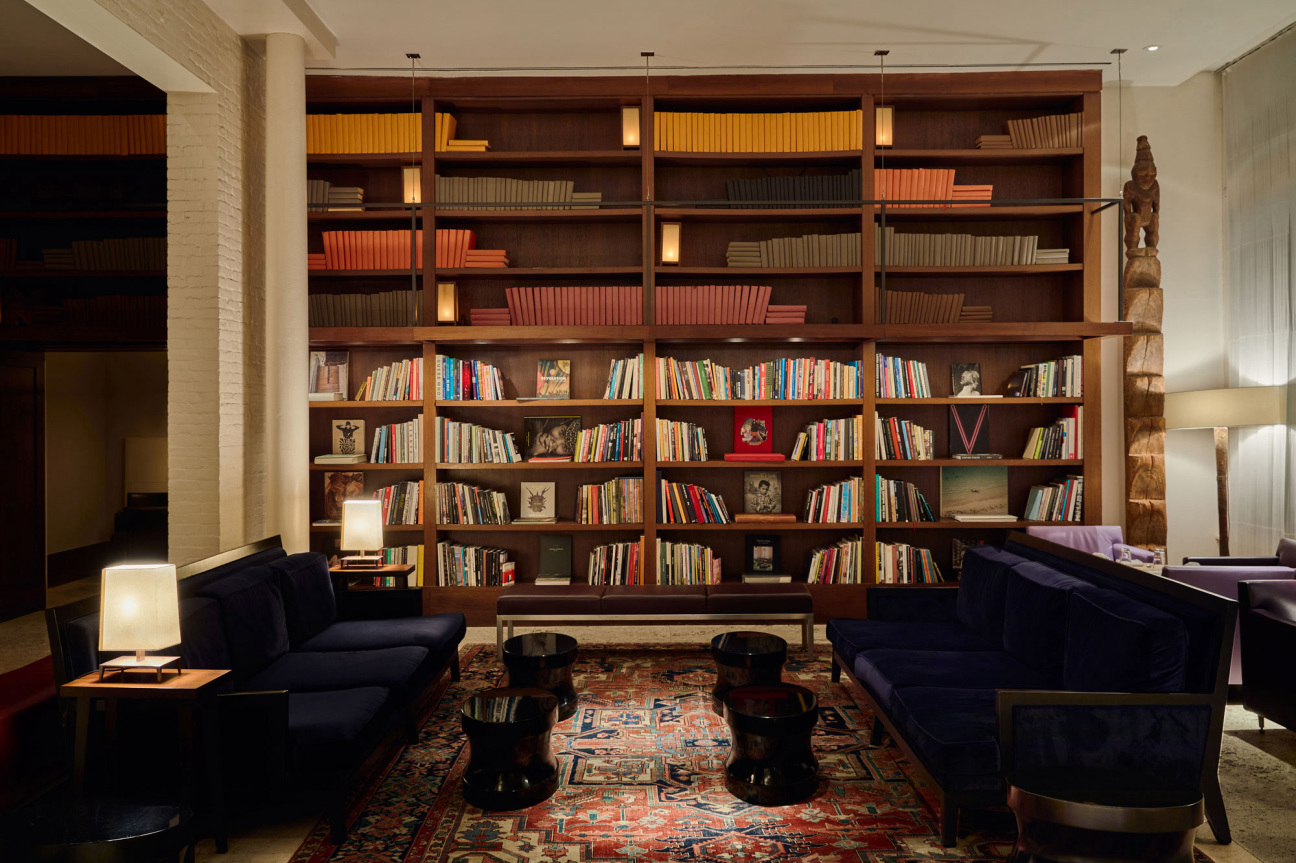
{"x":399,"y":571}
{"x":193,"y":691}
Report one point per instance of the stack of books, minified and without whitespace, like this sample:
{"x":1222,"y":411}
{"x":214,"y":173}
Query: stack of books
{"x":346,"y":198}
{"x":1052,"y":256}
{"x":680,"y":441}
{"x":467,"y":443}
{"x":472,"y":566}
{"x":83,"y":134}
{"x":802,"y":189}
{"x":381,"y":309}
{"x":459,"y":503}
{"x":686,"y":503}
{"x":485,"y":258}
{"x":956,"y":250}
{"x":58,"y":259}
{"x":902,"y":379}
{"x":1062,"y":440}
{"x":489,"y":317}
{"x":805,"y":378}
{"x":567,"y":306}
{"x":586,"y":200}
{"x":902,"y":440}
{"x":317,"y":195}
{"x":401,"y":381}
{"x":367,"y":133}
{"x":618,"y":441}
{"x":814,"y":131}
{"x":785,"y":315}
{"x":898,"y":563}
{"x":467,"y":380}
{"x":1053,"y":131}
{"x":831,"y":440}
{"x":972,"y":196}
{"x":711,"y":304}
{"x":625,"y":379}
{"x":617,"y":563}
{"x":976,"y":314}
{"x":316,"y":261}
{"x":841,"y":563}
{"x":467,"y":146}
{"x":398,"y":443}
{"x":835,"y":503}
{"x":897,"y":500}
{"x":812,"y":250}
{"x":1060,"y":500}
{"x":994,"y":142}
{"x":617,"y":501}
{"x":402,"y":503}
{"x":686,"y":563}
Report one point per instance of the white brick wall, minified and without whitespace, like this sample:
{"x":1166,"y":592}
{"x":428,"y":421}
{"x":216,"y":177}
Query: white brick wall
{"x":215,"y":278}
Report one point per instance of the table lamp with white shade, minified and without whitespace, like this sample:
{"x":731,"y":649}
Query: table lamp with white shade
{"x":139,"y":610}
{"x":362,"y":529}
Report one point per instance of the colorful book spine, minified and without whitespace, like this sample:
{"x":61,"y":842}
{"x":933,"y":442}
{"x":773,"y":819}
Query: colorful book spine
{"x":781,"y":379}
{"x":625,"y":379}
{"x":899,"y":563}
{"x":896,"y":378}
{"x":459,"y":503}
{"x":617,"y":563}
{"x":680,"y":441}
{"x":468,"y":443}
{"x":840,"y":563}
{"x":472,"y":566}
{"x":402,"y":503}
{"x":835,"y":503}
{"x":902,"y":440}
{"x":899,"y":501}
{"x":686,"y":563}
{"x":398,"y":443}
{"x":467,"y":380}
{"x":618,"y":441}
{"x":402,"y":381}
{"x":686,"y":503}
{"x":831,"y":440}
{"x":617,"y":501}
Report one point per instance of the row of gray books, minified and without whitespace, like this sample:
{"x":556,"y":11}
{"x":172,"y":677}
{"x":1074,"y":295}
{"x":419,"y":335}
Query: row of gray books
{"x":812,"y":250}
{"x":828,"y":187}
{"x":382,"y":309}
{"x":963,"y":250}
{"x":504,"y":192}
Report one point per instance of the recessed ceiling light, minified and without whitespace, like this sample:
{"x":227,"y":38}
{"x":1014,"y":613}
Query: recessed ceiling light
{"x":1152,"y":48}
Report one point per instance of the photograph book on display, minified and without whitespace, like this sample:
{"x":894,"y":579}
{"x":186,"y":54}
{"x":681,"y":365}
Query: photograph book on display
{"x":538,"y":503}
{"x":550,"y":438}
{"x":328,"y":375}
{"x":349,"y":437}
{"x":340,"y":486}
{"x":762,"y":492}
{"x":965,"y":380}
{"x":763,"y":561}
{"x":975,"y":494}
{"x":753,"y":432}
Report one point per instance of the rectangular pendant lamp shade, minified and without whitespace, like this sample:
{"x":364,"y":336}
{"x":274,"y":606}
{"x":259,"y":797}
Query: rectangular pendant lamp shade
{"x":670,"y":242}
{"x":362,"y":528}
{"x":447,"y":303}
{"x":884,"y":126}
{"x":139,"y":607}
{"x":630,"y":126}
{"x":413,"y":177}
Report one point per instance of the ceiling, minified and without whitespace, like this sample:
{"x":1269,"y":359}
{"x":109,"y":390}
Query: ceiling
{"x":33,"y":44}
{"x":1194,"y":35}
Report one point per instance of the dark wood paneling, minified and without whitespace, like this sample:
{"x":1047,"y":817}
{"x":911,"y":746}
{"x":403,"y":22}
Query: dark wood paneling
{"x":22,"y":507}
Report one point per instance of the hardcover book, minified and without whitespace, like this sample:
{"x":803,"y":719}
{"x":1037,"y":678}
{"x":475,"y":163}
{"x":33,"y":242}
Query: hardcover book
{"x":762,"y":491}
{"x":555,"y":557}
{"x":974,"y":491}
{"x":553,"y":379}
{"x":753,"y":429}
{"x":965,"y":380}
{"x":340,"y":486}
{"x":328,"y":372}
{"x":763,"y":556}
{"x":538,"y":502}
{"x":969,"y":430}
{"x":550,"y":438}
{"x":349,"y":437}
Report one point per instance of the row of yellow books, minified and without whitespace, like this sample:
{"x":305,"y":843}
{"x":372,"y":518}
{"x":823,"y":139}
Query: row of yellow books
{"x":83,"y":135}
{"x":328,"y":134}
{"x":816,"y":131}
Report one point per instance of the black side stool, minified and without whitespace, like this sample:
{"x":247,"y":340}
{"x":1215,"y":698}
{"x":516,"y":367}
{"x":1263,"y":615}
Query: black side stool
{"x":544,"y":660}
{"x":1081,"y":814}
{"x":97,"y":832}
{"x":771,"y":762}
{"x":510,"y":763}
{"x":743,"y":658}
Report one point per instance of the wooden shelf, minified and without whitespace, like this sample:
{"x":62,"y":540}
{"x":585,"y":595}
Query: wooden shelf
{"x":737,"y":403}
{"x":553,"y":527}
{"x":987,"y":462}
{"x":518,"y":335}
{"x":361,"y":405}
{"x":704,"y":213}
{"x":368,"y":466}
{"x":768,"y":465}
{"x":552,"y":465}
{"x":387,"y":214}
{"x":513,"y":403}
{"x":70,"y":157}
{"x":823,"y":157}
{"x":387,"y":528}
{"x":997,"y":333}
{"x":749,"y":273}
{"x":83,"y":274}
{"x":536,"y":272}
{"x":993,"y":156}
{"x":542,"y":216}
{"x":765,"y":526}
{"x":543,"y":157}
{"x":84,"y":338}
{"x":951,"y":524}
{"x":822,"y":333}
{"x":84,"y":214}
{"x":980,"y":400}
{"x":362,"y":274}
{"x":944,"y":272}
{"x":365,"y":160}
{"x":969,"y":214}
{"x":393,"y":337}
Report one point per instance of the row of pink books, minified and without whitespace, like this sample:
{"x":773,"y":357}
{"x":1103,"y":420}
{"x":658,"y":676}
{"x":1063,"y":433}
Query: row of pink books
{"x":611,"y":305}
{"x":489,"y":317}
{"x":785,"y":315}
{"x":456,"y":248}
{"x":711,"y":304}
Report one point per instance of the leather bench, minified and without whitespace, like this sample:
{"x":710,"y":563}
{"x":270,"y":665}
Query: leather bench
{"x":654,"y":604}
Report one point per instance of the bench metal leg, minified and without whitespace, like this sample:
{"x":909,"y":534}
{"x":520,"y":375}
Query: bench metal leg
{"x":499,"y":638}
{"x":807,"y":636}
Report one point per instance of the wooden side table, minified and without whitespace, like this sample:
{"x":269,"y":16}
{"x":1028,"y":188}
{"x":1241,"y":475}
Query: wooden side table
{"x":362,"y":600}
{"x":399,"y":571}
{"x":193,"y":691}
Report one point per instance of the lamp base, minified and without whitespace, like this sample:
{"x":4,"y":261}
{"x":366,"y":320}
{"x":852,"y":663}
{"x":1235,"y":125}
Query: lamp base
{"x":125,"y":664}
{"x":362,"y":561}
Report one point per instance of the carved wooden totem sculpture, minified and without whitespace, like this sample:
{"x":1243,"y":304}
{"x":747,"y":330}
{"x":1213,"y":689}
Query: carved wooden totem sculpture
{"x":1145,"y":511}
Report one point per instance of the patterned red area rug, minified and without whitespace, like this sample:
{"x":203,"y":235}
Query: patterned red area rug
{"x":642,"y":778}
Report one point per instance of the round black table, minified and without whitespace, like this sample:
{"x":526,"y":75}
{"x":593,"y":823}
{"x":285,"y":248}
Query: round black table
{"x":510,"y":764}
{"x":743,"y":658}
{"x":771,"y":762}
{"x":544,"y":660}
{"x":1081,"y":814}
{"x":97,"y":832}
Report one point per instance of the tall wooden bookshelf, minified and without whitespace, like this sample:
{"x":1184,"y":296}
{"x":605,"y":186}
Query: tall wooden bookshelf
{"x":569,"y":129}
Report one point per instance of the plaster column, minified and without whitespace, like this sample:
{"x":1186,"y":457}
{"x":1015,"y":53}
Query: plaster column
{"x":287,"y":334}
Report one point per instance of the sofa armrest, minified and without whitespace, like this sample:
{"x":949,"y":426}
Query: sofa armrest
{"x":1270,"y":560}
{"x":1167,"y":734}
{"x":254,"y":741}
{"x":913,"y":603}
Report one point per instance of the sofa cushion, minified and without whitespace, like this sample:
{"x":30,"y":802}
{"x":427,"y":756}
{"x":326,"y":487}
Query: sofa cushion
{"x":436,"y":632}
{"x":328,"y":730}
{"x":758,"y":599}
{"x":1287,"y":552}
{"x":194,"y":585}
{"x":202,"y":634}
{"x":252,"y":614}
{"x":955,"y":733}
{"x":849,"y":637}
{"x":1118,"y":644}
{"x":982,"y":590}
{"x":559,"y":599}
{"x":882,"y":671}
{"x":307,"y":588}
{"x":393,"y":668}
{"x":1035,"y":614}
{"x":654,"y":599}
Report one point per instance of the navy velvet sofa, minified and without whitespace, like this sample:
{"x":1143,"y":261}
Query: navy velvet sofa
{"x":310,"y":698}
{"x":1044,"y":657}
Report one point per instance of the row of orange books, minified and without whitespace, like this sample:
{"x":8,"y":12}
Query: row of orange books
{"x":927,"y":184}
{"x":372,"y":133}
{"x":83,"y":135}
{"x":785,"y":315}
{"x":814,"y":131}
{"x":710,"y":304}
{"x":613,"y":305}
{"x":390,"y":250}
{"x":486,"y":258}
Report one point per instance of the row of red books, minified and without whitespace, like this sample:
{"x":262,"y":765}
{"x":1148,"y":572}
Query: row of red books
{"x":785,"y":315}
{"x":489,"y":317}
{"x":607,"y":305}
{"x":390,"y":250}
{"x":711,"y":304}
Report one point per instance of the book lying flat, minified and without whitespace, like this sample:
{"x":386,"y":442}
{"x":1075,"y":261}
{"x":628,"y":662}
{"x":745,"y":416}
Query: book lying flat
{"x":765,"y":578}
{"x":358,"y":458}
{"x":326,"y":397}
{"x":754,"y":456}
{"x":765,"y":517}
{"x":985,"y":517}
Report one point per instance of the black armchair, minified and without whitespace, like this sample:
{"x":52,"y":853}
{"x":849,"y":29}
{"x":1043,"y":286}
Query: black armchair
{"x":1284,"y":555}
{"x":1267,"y":616}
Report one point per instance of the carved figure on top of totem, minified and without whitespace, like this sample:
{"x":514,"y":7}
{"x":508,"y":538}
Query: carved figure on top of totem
{"x":1142,"y":200}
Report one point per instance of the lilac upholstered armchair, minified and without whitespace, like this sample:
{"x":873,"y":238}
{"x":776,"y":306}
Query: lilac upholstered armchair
{"x":1104,"y":539}
{"x":1284,"y":556}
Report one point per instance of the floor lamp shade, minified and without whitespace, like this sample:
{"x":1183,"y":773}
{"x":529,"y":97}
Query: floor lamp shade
{"x":362,"y":526}
{"x":139,"y":608}
{"x":1230,"y":408}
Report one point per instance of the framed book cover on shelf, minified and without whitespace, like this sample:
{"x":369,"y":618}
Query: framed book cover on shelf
{"x":348,"y":437}
{"x":753,"y":430}
{"x":340,"y":486}
{"x":762,"y":491}
{"x":553,"y":379}
{"x":328,"y":372}
{"x":538,"y":505}
{"x":969,"y":430}
{"x":974,"y":491}
{"x":965,"y":380}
